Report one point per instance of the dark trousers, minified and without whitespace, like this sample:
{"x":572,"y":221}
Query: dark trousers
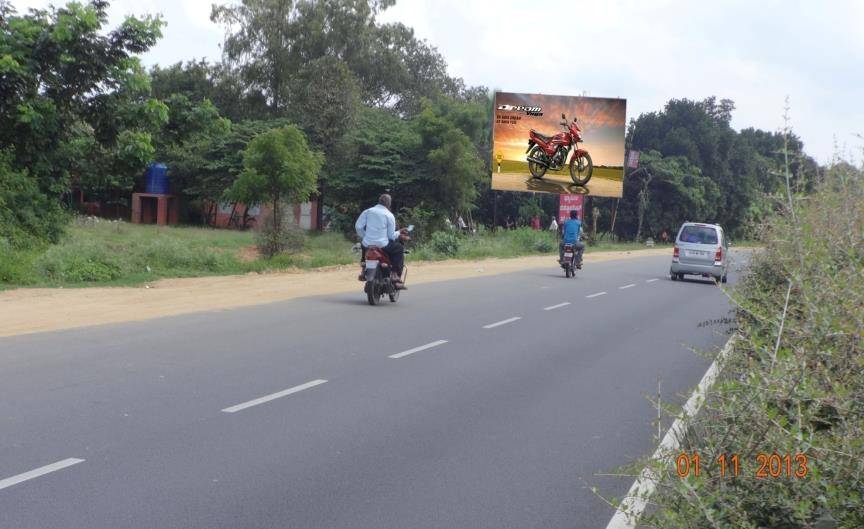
{"x":579,"y":246}
{"x":396,"y":252}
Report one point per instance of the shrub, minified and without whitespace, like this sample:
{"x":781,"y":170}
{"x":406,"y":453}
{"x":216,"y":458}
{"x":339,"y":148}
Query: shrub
{"x":273,"y":240}
{"x":445,"y":243}
{"x":83,"y":262}
{"x":26,"y":214}
{"x":793,"y":383}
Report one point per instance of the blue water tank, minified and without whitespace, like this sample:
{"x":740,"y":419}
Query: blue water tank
{"x":157,"y":179}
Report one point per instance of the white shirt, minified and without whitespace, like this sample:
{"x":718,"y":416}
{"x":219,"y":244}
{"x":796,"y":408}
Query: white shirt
{"x":376,"y":226}
{"x":553,"y":226}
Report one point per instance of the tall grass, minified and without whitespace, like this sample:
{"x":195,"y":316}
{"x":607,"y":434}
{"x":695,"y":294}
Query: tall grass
{"x":794,"y":383}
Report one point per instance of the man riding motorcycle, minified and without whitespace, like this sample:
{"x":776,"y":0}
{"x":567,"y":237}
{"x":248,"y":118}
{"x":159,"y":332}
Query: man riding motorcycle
{"x":377,"y":227}
{"x":571,"y":230}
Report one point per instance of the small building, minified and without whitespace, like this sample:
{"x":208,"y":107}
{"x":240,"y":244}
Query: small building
{"x":237,"y":215}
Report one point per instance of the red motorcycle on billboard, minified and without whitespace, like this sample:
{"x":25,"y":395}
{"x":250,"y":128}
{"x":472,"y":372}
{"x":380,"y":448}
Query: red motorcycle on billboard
{"x":551,"y":152}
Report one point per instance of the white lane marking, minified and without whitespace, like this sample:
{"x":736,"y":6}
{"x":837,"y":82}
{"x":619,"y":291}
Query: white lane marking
{"x":558,"y":306}
{"x":502,"y":322}
{"x":627,"y":286}
{"x":41,"y":471}
{"x":630,"y":510}
{"x":273,"y":396}
{"x":418,"y":349}
{"x":650,"y":280}
{"x":595,"y":295}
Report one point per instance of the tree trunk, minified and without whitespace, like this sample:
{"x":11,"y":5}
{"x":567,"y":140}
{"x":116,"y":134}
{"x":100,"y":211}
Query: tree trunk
{"x":643,"y":204}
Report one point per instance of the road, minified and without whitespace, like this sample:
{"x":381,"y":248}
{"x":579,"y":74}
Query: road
{"x":492,"y":402}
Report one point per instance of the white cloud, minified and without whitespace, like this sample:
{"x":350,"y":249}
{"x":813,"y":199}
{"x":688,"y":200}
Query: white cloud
{"x":648,"y":52}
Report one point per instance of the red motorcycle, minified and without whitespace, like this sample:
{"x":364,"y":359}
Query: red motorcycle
{"x":551,"y":152}
{"x":375,"y":271}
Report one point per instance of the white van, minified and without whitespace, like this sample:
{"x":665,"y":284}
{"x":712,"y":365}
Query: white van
{"x":700,"y":249}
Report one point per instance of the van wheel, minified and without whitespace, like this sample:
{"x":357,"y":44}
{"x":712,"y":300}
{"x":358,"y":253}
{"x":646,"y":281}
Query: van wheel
{"x":673,"y":277}
{"x":724,"y":278}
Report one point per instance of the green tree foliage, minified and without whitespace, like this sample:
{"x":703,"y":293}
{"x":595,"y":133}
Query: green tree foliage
{"x":278,"y":166}
{"x":26,"y":214}
{"x":198,"y":80}
{"x":74,"y":104}
{"x":675,"y":190}
{"x":74,"y":99}
{"x":269,"y":41}
{"x":429,"y":162}
{"x":743,"y":167}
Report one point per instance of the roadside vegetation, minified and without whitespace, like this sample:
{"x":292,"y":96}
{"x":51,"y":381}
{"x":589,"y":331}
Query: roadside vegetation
{"x":793,"y":384}
{"x":96,"y":252}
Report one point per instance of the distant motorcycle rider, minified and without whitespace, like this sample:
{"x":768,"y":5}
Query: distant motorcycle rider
{"x":377,"y":227}
{"x":572,"y":228}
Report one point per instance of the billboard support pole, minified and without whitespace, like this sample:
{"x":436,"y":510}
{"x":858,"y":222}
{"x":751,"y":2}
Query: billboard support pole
{"x":495,"y":212}
{"x":614,"y":215}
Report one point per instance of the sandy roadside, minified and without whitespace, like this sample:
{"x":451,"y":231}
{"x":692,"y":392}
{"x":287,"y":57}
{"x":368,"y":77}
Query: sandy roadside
{"x":30,"y":310}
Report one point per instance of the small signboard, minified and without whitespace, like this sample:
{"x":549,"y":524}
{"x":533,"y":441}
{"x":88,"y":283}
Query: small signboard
{"x":568,"y":203}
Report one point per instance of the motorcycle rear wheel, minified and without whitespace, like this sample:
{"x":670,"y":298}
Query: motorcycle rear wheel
{"x":581,"y":169}
{"x":537,"y":170}
{"x":371,"y":294}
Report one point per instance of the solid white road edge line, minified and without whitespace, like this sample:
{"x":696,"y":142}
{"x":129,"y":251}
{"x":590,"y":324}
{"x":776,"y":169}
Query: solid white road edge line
{"x":418,"y":349}
{"x":595,"y":295}
{"x":502,"y":322}
{"x":41,"y":471}
{"x":650,"y":280}
{"x":627,"y":286}
{"x":558,"y":306}
{"x":630,"y":510}
{"x":273,"y":396}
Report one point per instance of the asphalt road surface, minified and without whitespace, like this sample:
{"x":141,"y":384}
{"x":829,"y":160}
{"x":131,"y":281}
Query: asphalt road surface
{"x":493,"y":402}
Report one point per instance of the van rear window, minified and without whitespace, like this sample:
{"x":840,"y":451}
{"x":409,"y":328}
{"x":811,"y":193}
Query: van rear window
{"x":698,"y":235}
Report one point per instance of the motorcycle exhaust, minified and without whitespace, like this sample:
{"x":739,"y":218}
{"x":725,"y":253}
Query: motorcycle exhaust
{"x":538,"y":161}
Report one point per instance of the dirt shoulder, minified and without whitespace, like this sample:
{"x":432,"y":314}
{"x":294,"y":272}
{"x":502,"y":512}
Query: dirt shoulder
{"x":30,"y":310}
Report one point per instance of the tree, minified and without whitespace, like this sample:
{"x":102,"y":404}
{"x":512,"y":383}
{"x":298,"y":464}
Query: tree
{"x":70,"y":91}
{"x":278,"y":166}
{"x":663,"y":193}
{"x":268,"y":42}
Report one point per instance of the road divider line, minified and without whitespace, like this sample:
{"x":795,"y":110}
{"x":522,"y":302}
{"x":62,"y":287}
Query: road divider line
{"x":274,"y":396}
{"x":627,"y":286}
{"x":502,"y":322}
{"x":650,"y":280}
{"x":418,"y":349}
{"x":558,"y":306}
{"x":595,"y":295}
{"x":41,"y":471}
{"x":631,"y":507}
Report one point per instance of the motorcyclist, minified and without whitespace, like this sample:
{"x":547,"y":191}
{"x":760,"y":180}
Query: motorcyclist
{"x":377,"y":227}
{"x":571,"y":229}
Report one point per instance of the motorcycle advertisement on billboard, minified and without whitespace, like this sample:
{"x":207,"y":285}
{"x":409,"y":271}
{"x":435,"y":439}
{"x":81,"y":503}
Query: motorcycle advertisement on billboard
{"x":558,"y":144}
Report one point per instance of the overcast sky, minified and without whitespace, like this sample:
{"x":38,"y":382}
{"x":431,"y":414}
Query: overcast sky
{"x":647,"y":51}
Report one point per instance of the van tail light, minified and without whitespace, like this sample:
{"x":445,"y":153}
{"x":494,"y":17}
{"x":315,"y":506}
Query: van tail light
{"x":675,"y":253}
{"x":718,"y":257}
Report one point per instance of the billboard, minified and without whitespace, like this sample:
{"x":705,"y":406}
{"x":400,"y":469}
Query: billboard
{"x":558,"y":144}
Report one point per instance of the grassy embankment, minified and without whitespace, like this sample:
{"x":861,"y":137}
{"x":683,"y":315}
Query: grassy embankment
{"x":600,"y":171}
{"x":793,"y":385}
{"x":108,"y":253}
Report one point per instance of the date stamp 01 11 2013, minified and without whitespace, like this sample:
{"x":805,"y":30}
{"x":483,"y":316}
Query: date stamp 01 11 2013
{"x":765,"y":466}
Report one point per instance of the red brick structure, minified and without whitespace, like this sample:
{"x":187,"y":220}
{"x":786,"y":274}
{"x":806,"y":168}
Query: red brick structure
{"x":230,"y":216}
{"x":148,"y":208}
